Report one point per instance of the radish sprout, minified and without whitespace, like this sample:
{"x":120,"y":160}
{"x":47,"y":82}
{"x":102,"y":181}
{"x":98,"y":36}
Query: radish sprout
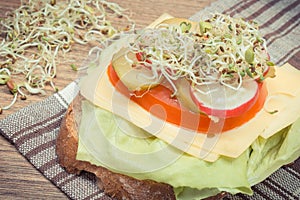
{"x":38,"y":31}
{"x":224,"y":50}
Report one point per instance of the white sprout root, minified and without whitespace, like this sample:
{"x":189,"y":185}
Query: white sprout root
{"x":36,"y":33}
{"x":228,"y":51}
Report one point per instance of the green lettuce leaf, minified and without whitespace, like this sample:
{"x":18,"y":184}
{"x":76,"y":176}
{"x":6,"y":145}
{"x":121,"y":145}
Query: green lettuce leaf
{"x":113,"y":142}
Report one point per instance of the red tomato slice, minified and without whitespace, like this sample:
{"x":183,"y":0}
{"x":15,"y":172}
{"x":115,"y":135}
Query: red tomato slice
{"x":173,"y":112}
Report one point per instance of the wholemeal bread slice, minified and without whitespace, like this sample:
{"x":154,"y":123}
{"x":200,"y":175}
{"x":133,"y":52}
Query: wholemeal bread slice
{"x":116,"y":185}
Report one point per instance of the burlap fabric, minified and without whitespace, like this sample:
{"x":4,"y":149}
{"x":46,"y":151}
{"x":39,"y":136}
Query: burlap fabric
{"x":33,"y":130}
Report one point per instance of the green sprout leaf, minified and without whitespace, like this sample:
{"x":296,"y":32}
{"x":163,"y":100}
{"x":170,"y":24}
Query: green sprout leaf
{"x":185,"y":26}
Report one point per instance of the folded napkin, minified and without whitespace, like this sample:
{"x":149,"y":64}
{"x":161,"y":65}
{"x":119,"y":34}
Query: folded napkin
{"x":33,"y":129}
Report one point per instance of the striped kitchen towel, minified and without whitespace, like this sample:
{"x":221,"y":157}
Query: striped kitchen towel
{"x":33,"y":129}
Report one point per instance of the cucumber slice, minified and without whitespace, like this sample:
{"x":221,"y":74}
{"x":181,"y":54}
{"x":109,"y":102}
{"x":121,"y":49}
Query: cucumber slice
{"x":133,"y":74}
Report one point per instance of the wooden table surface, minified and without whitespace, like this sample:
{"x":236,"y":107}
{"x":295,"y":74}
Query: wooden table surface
{"x":20,"y":180}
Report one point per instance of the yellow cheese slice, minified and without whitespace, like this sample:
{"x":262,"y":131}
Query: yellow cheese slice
{"x":97,"y":88}
{"x":283,"y":97}
{"x":159,"y":20}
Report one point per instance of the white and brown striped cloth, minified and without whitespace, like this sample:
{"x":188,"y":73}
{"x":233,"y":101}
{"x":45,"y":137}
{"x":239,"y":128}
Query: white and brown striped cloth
{"x":33,"y":129}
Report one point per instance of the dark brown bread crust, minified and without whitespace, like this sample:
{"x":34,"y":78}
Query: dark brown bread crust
{"x":113,"y":184}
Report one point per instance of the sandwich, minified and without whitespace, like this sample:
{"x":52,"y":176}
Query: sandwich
{"x":183,"y":110}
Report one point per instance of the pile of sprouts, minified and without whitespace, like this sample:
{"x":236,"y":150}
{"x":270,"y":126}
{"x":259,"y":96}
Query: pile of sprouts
{"x":169,"y":53}
{"x":38,"y":31}
{"x":224,"y":50}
